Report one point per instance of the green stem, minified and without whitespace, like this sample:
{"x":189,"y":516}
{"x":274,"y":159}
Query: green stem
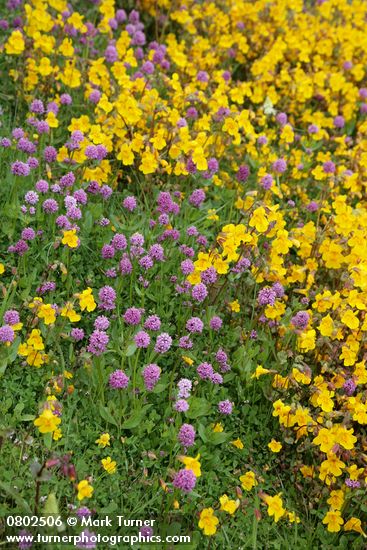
{"x":134,"y":378}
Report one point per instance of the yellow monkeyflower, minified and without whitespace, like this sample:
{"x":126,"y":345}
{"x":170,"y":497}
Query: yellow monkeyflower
{"x":237,"y":443}
{"x":228,"y":505}
{"x":149,"y":163}
{"x":86,"y":300}
{"x":103,"y":440}
{"x":35,"y":340}
{"x":354,"y":524}
{"x":235,"y":306}
{"x":191,"y":464}
{"x":47,"y":422}
{"x":15,"y":44}
{"x":325,"y":439}
{"x":217,"y":427}
{"x":47,"y":313}
{"x":208,"y":521}
{"x":336,"y":500}
{"x":326,"y":327}
{"x":260,"y":370}
{"x":293,"y":518}
{"x":350,"y":319}
{"x":84,"y":489}
{"x":333,"y":520}
{"x":332,"y":465}
{"x":109,"y":465}
{"x":69,"y":312}
{"x":275,"y":446}
{"x":248,"y":481}
{"x":70,"y":238}
{"x":275,"y":507}
{"x":259,"y":220}
{"x":57,"y":434}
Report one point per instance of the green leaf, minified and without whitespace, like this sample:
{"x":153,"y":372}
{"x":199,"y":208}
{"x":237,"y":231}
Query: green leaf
{"x":107,"y":415}
{"x":18,"y":409}
{"x":51,"y":506}
{"x":159,"y":388}
{"x":202,"y":433}
{"x":135,"y":418}
{"x":47,"y":438}
{"x":27,"y":417}
{"x":217,"y":438}
{"x":3,"y":365}
{"x":11,"y":492}
{"x":198,"y":407}
{"x":131,"y":349}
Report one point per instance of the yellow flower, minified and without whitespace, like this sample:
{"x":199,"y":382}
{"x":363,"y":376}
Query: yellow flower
{"x":36,"y":358}
{"x":307,"y":340}
{"x":275,"y":507}
{"x":237,"y":443}
{"x":248,"y":481}
{"x":15,"y":44}
{"x":66,"y":48}
{"x":228,"y":505}
{"x":259,"y":371}
{"x":287,"y":134}
{"x":259,"y":220}
{"x":293,"y":518}
{"x":47,"y":422}
{"x":199,"y":158}
{"x":350,"y":319}
{"x":235,"y":306}
{"x":84,"y":490}
{"x":76,"y":20}
{"x":192,"y":464}
{"x":275,"y":446}
{"x":345,"y":437}
{"x":2,"y":268}
{"x":149,"y":163}
{"x":203,"y":262}
{"x":336,"y":500}
{"x":326,"y":327}
{"x":103,"y":440}
{"x":333,"y":520}
{"x":194,"y":278}
{"x":208,"y":521}
{"x":57,"y":434}
{"x":217,"y":427}
{"x":126,"y":155}
{"x":35,"y":340}
{"x":109,"y":465}
{"x":221,"y":266}
{"x":187,"y":360}
{"x":332,"y":466}
{"x":325,"y":439}
{"x":212,"y":214}
{"x":308,"y":471}
{"x":47,"y":313}
{"x":354,"y":524}
{"x":70,"y":238}
{"x":69,"y":312}
{"x":86,"y":300}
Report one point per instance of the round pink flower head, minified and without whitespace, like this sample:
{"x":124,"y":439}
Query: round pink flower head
{"x":225,"y":407}
{"x":118,"y":380}
{"x":132,"y":316}
{"x":186,"y":435}
{"x":151,"y":374}
{"x":185,"y":480}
